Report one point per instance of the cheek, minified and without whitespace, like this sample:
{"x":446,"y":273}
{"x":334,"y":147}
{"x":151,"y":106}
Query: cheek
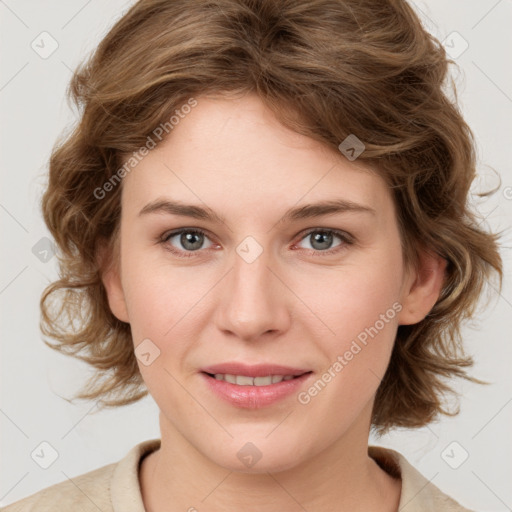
{"x":158,"y":295}
{"x":356,"y":356}
{"x":160,"y":307}
{"x":354,"y":297}
{"x":358,"y":306}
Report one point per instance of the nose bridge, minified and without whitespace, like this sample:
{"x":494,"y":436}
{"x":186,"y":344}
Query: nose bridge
{"x":252,"y":303}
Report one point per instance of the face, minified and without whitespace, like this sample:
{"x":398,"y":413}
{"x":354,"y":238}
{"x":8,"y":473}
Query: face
{"x":321,"y":291}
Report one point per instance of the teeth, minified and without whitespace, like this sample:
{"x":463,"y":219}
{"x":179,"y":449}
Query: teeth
{"x":230,"y":378}
{"x":243,"y":380}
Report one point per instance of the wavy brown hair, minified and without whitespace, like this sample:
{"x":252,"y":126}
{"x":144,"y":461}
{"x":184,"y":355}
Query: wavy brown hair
{"x":327,"y":69}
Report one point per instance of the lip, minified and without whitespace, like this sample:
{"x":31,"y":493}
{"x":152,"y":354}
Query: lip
{"x":254,"y":397}
{"x":258,"y":370}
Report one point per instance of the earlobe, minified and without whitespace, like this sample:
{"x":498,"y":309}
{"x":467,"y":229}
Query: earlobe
{"x":108,"y":262}
{"x":423,"y":288}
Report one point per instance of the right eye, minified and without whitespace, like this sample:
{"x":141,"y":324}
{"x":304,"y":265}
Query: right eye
{"x":190,"y":240}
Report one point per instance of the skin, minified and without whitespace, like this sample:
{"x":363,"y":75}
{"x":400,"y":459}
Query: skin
{"x":294,"y":305}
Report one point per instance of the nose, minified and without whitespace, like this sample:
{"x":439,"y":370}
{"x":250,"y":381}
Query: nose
{"x":254,"y":300}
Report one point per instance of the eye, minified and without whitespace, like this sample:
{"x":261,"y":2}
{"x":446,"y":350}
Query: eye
{"x":190,"y":240}
{"x":321,"y":240}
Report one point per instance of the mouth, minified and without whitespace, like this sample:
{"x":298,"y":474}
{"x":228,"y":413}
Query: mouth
{"x":254,"y":387}
{"x":247,"y":380}
{"x":245,"y":374}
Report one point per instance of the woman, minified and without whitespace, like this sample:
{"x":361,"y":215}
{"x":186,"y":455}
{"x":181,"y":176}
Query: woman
{"x":262,"y":222}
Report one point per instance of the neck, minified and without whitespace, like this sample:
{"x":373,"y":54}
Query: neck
{"x":342,"y":477}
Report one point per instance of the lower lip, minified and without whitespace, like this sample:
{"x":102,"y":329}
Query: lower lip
{"x":254,"y":397}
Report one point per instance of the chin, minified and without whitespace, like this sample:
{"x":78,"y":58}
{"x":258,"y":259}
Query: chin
{"x":266,"y":464}
{"x":253,"y":455}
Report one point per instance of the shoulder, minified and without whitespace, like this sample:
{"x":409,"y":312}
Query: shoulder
{"x":418,"y":494}
{"x":111,"y":488}
{"x":86,"y":492}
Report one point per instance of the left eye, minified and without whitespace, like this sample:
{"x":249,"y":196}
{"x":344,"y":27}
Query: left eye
{"x":321,"y":240}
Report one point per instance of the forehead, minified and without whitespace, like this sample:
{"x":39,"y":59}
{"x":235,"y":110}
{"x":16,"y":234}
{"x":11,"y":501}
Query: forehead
{"x":232,"y":154}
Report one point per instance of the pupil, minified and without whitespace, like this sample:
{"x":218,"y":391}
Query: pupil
{"x":187,"y":239}
{"x":322,"y":238}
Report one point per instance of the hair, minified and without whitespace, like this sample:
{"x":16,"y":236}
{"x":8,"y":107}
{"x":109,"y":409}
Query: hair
{"x":327,"y":69}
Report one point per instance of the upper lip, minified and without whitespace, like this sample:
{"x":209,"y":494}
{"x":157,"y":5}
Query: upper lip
{"x":257,"y":370}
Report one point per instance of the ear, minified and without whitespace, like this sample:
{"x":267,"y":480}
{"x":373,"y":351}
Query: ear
{"x":422,"y":288}
{"x":109,"y":264}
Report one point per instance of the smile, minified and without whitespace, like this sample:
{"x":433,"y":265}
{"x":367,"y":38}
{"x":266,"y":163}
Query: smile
{"x":247,"y":392}
{"x":244,"y":380}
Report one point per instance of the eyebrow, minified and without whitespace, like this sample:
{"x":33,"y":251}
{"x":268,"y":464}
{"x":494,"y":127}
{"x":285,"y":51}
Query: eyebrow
{"x":307,"y":211}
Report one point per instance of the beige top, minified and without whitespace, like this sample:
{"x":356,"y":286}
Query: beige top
{"x":116,"y":488}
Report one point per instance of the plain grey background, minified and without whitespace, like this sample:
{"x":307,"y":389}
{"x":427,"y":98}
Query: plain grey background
{"x":469,"y":456}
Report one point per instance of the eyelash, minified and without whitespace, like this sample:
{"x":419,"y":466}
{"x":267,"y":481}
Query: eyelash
{"x":345,"y":238}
